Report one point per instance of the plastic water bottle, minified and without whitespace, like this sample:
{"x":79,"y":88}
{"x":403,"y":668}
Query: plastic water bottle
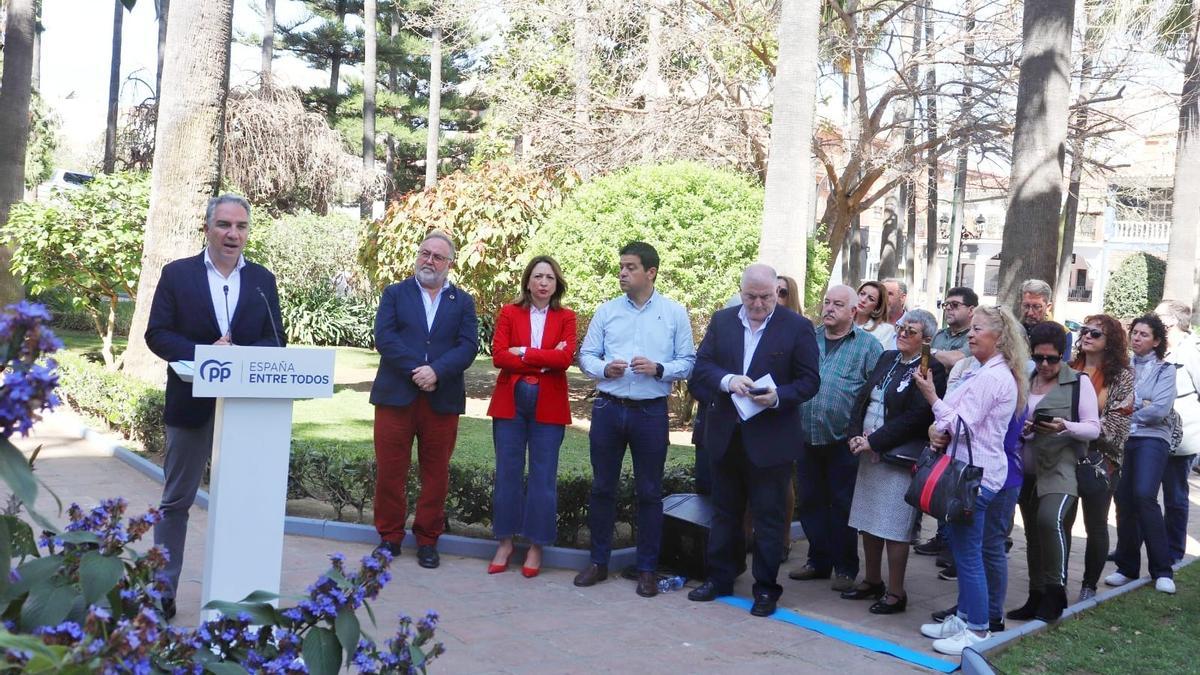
{"x":670,"y":584}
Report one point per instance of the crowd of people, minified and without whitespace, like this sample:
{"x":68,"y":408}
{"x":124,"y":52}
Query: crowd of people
{"x":825,"y":421}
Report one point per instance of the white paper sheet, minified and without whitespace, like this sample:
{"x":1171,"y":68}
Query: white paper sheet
{"x":746,"y":407}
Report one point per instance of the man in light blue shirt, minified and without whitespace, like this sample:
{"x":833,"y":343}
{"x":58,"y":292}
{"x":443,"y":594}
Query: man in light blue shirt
{"x":636,"y":346}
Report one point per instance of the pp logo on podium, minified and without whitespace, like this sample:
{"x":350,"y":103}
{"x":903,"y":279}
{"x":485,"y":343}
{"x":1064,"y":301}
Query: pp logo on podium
{"x":213,"y":370}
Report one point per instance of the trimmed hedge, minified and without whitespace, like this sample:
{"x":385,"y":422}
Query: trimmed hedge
{"x":343,"y":474}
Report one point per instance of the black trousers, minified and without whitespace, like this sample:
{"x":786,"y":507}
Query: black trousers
{"x":736,"y":480}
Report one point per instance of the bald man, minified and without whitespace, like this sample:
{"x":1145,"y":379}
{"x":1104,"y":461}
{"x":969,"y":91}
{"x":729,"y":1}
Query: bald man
{"x":826,"y":470}
{"x":752,"y":457}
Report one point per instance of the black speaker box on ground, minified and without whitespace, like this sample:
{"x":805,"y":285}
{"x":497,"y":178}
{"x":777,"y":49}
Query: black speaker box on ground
{"x":687,"y":519}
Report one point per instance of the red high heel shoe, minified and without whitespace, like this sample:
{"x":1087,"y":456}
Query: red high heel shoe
{"x":530,"y":572}
{"x":494,"y":568}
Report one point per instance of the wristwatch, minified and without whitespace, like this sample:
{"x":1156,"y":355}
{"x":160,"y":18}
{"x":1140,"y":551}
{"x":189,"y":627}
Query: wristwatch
{"x":658,"y":370}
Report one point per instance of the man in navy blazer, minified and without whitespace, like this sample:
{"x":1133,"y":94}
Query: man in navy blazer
{"x":219,"y":298}
{"x":426,"y":333}
{"x":752,"y":458}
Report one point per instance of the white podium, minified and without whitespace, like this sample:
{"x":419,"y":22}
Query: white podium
{"x":252,"y":435}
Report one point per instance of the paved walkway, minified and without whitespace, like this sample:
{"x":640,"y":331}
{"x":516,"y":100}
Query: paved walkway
{"x":505,"y":623}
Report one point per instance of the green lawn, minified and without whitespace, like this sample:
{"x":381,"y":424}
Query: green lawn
{"x":1143,"y":631}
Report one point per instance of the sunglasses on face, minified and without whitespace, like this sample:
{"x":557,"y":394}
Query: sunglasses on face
{"x":1094,"y":333}
{"x":781,"y":292}
{"x":1042,"y":358}
{"x":953,"y":305}
{"x":908,"y":332}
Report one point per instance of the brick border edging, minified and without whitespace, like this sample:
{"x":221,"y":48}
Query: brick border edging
{"x":973,"y":658}
{"x":470,"y":547}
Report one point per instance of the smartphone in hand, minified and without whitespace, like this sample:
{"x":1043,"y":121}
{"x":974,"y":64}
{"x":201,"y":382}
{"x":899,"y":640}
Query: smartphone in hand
{"x":926,"y":351}
{"x":758,"y":391}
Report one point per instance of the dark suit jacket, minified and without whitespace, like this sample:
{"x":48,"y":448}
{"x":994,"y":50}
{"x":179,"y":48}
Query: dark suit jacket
{"x":513,"y":329}
{"x":182,"y":316}
{"x":906,"y":414}
{"x":788,"y":351}
{"x":405,"y":342}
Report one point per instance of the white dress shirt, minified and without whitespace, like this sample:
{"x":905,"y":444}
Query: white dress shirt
{"x":225,"y":291}
{"x":537,"y":326}
{"x":431,"y":304}
{"x":750,"y":340}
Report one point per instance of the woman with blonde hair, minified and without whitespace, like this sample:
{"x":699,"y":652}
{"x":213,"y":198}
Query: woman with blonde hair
{"x":984,"y":402}
{"x":788,"y":292}
{"x":870,"y":313}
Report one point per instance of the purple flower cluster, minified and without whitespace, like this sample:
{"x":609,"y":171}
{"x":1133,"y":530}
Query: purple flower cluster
{"x":28,"y":386}
{"x":403,"y":651}
{"x":337,"y":588}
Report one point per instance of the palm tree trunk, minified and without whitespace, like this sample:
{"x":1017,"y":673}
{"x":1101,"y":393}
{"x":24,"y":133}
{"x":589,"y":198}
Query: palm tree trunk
{"x":393,"y":82}
{"x":268,"y":43}
{"x":435,"y":108}
{"x":1183,"y":272}
{"x":1071,"y":207}
{"x":36,"y":76}
{"x":114,"y":89}
{"x":931,"y":170}
{"x":371,"y":26}
{"x":790,"y":182}
{"x":15,"y":96}
{"x":958,"y":211}
{"x":1030,"y":247}
{"x":909,"y":197}
{"x":187,"y":154}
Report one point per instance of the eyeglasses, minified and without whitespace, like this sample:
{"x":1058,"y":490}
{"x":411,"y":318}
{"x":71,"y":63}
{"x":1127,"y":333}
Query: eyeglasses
{"x":953,"y":305}
{"x":907,"y":331}
{"x":781,"y":292}
{"x":430,"y":255}
{"x":1033,"y":308}
{"x":1094,"y":333}
{"x":1042,"y":358}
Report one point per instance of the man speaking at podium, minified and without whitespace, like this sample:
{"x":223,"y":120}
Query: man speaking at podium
{"x":216,"y":298}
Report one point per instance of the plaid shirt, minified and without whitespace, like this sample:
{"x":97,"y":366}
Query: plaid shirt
{"x":843,"y":374}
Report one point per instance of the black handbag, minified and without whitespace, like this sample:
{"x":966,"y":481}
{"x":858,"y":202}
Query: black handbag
{"x":905,"y":454}
{"x":1091,"y":477}
{"x":945,"y":487}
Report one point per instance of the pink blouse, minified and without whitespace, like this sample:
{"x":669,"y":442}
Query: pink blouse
{"x":985,"y":401}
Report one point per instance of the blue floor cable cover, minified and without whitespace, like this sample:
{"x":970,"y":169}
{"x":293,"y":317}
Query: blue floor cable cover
{"x":850,"y":637}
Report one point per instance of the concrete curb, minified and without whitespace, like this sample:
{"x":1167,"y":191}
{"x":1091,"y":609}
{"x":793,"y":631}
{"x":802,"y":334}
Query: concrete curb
{"x":974,"y":661}
{"x":470,"y":547}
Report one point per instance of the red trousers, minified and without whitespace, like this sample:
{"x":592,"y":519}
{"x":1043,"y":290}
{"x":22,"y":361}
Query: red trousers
{"x":436,"y":433}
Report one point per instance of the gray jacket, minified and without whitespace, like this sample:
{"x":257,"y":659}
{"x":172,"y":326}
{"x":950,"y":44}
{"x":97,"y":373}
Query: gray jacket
{"x":1153,"y":398}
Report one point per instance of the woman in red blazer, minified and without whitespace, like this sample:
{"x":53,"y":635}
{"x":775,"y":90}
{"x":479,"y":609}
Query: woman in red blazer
{"x":533,"y":346}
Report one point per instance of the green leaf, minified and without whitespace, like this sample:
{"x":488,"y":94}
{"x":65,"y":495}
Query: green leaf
{"x":17,"y":473}
{"x":30,"y":644}
{"x":22,"y":542}
{"x":47,"y":605}
{"x":36,"y":572}
{"x":79,"y":537}
{"x":260,"y":597}
{"x":347,"y":629}
{"x":322,"y":653}
{"x":260,"y":612}
{"x":98,"y":574}
{"x":5,"y":554}
{"x":223,"y":668}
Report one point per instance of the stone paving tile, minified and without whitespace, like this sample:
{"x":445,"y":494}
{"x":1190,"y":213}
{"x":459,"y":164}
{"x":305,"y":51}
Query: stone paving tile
{"x":505,"y":623}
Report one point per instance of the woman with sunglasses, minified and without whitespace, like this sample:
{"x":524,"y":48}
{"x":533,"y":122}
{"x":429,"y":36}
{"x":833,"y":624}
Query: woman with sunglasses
{"x":788,"y":292}
{"x":1102,"y":354}
{"x":1140,"y":516}
{"x":1062,"y":419}
{"x":870,"y":313}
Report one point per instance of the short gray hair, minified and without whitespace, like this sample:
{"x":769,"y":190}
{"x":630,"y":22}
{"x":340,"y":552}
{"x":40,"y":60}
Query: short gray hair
{"x":227,"y":198}
{"x":442,"y":236}
{"x":1038,"y":287}
{"x":764,"y":274}
{"x":899,"y":284}
{"x":1176,"y":310}
{"x":848,"y":290}
{"x":922,"y":317}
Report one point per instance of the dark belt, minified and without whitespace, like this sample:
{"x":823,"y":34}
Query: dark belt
{"x":629,"y":402}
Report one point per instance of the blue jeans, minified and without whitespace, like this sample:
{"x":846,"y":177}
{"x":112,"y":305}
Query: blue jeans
{"x":967,"y":546}
{"x":1175,"y":503}
{"x":827,"y":474}
{"x":531,"y":509}
{"x":1141,"y":516}
{"x":642,"y":427}
{"x":997,"y":521}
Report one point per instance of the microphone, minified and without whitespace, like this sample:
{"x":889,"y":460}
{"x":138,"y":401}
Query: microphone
{"x":270,"y":315}
{"x":228,"y":323}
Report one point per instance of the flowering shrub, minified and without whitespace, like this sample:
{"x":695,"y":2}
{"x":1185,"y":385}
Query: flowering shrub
{"x":82,"y":600}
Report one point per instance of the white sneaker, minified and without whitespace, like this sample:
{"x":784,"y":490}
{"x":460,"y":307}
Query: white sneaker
{"x":1165,"y":585}
{"x":1117,"y":579}
{"x":955,"y":644}
{"x":951,"y":626}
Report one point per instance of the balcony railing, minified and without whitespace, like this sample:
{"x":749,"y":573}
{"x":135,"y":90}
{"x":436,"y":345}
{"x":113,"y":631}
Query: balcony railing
{"x":1142,"y":231}
{"x":1079,"y":295}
